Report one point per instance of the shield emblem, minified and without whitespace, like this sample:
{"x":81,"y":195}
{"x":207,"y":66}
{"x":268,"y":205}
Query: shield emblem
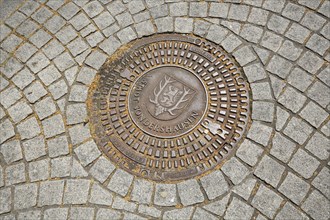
{"x":170,"y":97}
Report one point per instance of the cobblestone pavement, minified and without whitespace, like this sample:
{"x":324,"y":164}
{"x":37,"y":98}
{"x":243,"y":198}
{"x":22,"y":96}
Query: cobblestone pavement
{"x":51,"y":168}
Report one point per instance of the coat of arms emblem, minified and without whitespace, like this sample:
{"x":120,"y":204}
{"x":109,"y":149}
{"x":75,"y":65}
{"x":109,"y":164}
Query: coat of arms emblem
{"x":170,"y":96}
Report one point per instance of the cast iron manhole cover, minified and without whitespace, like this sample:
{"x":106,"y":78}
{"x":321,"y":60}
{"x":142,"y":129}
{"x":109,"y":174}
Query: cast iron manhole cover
{"x":169,"y":108}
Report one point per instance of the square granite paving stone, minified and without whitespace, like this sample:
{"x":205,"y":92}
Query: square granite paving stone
{"x":4,"y":56}
{"x":68,"y":10}
{"x":201,"y":213}
{"x":40,"y":38}
{"x":144,"y":28}
{"x":25,"y":196}
{"x":244,"y":55}
{"x":104,"y":20}
{"x":93,"y":8}
{"x":238,"y":12}
{"x":300,"y":79}
{"x":6,"y":130}
{"x":189,"y":192}
{"x":64,"y":61}
{"x":326,"y":31}
{"x":279,"y":66}
{"x":45,"y":108}
{"x":214,"y":184}
{"x":266,"y":201}
{"x":86,"y":75}
{"x":86,"y":213}
{"x":76,"y":113}
{"x":298,"y":130}
{"x":319,"y":146}
{"x":290,"y":51}
{"x":76,"y":191}
{"x":314,"y":114}
{"x":120,"y":182}
{"x":78,"y":93}
{"x":6,"y":200}
{"x":53,"y":49}
{"x":49,"y":75}
{"x":77,"y":170}
{"x":316,"y":205}
{"x":5,"y":31}
{"x":164,"y":24}
{"x":165,"y":195}
{"x":304,"y":164}
{"x":277,"y":85}
{"x":79,"y":133}
{"x":124,"y":19}
{"x":58,"y":89}
{"x":183,"y":25}
{"x":260,"y":133}
{"x":53,"y":126}
{"x":230,"y":43}
{"x":201,"y":27}
{"x":87,"y":152}
{"x":318,"y":44}
{"x":313,"y":21}
{"x":310,"y":4}
{"x":249,"y":152}
{"x":11,"y":151}
{"x":251,"y":33}
{"x":11,"y":43}
{"x":324,"y":9}
{"x":100,"y":196}
{"x":290,"y":212}
{"x":15,"y":19}
{"x":41,"y":15}
{"x":274,"y":6}
{"x":180,"y":9}
{"x":32,"y":214}
{"x":38,"y":170}
{"x":79,"y":21}
{"x":294,"y":188}
{"x":58,"y":146}
{"x":297,"y":33}
{"x":324,"y":75}
{"x":198,"y":9}
{"x":269,"y":170}
{"x":271,"y":41}
{"x":126,"y":35}
{"x":184,"y":213}
{"x":322,"y":183}
{"x":258,"y":16}
{"x":95,"y":38}
{"x":142,"y":191}
{"x":60,"y":167}
{"x":96,"y":59}
{"x":293,"y":11}
{"x":9,"y":96}
{"x":11,"y":67}
{"x":122,"y":204}
{"x":29,"y":128}
{"x":34,"y":148}
{"x":35,"y":92}
{"x":51,"y":193}
{"x":116,"y":7}
{"x":102,"y":169}
{"x":159,"y":11}
{"x":326,"y":129}
{"x":235,"y":170}
{"x":282,"y":147}
{"x":319,"y":93}
{"x":263,"y":111}
{"x":238,"y":209}
{"x":15,"y":174}
{"x":105,"y":214}
{"x":142,"y":16}
{"x":19,"y":111}
{"x":292,"y":99}
{"x":310,"y":62}
{"x":149,"y":211}
{"x":218,"y":207}
{"x":38,"y":62}
{"x":29,"y":7}
{"x":27,"y":28}
{"x":77,"y":46}
{"x":55,"y":4}
{"x":135,"y":6}
{"x":25,"y":51}
{"x":56,"y":213}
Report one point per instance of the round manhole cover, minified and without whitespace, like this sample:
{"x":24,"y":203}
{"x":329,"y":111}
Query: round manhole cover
{"x":169,"y":107}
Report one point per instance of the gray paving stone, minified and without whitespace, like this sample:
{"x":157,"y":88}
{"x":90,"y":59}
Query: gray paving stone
{"x":293,"y":11}
{"x":249,"y":152}
{"x":79,"y":133}
{"x":86,"y":75}
{"x":49,"y":75}
{"x":189,"y":192}
{"x":165,"y":195}
{"x":274,"y":6}
{"x":5,"y":201}
{"x":290,"y":51}
{"x":300,"y":79}
{"x":129,"y":216}
{"x":58,"y":146}
{"x":120,"y":182}
{"x":314,"y":114}
{"x":76,"y":113}
{"x":77,"y":46}
{"x":77,"y":170}
{"x":324,"y":9}
{"x":319,"y":146}
{"x":312,"y":5}
{"x":279,"y":66}
{"x":53,"y":48}
{"x":271,"y":41}
{"x":290,"y":212}
{"x":86,"y":213}
{"x":318,"y":44}
{"x":200,"y":214}
{"x":104,"y":20}
{"x":245,"y":189}
{"x":266,"y":201}
{"x":25,"y":196}
{"x":216,"y":34}
{"x":56,"y":213}
{"x":126,"y":35}
{"x":144,"y":28}
{"x":53,"y":126}
{"x":33,"y":214}
{"x":304,"y":164}
{"x":11,"y":43}
{"x":11,"y":67}
{"x":124,"y":19}
{"x":34,"y":148}
{"x":326,"y":129}
{"x":218,"y":207}
{"x":68,"y":10}
{"x":198,"y":9}
{"x":96,"y":59}
{"x":122,"y":204}
{"x":45,"y":108}
{"x":9,"y":217}
{"x":269,"y":170}
{"x":297,"y":33}
{"x":282,"y":147}
{"x":159,"y":11}
{"x":294,"y":188}
{"x":142,"y":16}
{"x":317,"y":206}
{"x":238,"y":210}
{"x":326,"y":30}
{"x":3,"y":82}
{"x":235,"y":170}
{"x":319,"y":93}
{"x":313,"y":21}
{"x":244,"y":55}
{"x":79,"y":21}
{"x":260,"y":133}
{"x":11,"y":151}
{"x":164,"y":24}
{"x":238,"y":12}
{"x":35,"y":92}
{"x":102,"y":169}
{"x":142,"y":191}
{"x":292,"y":99}
{"x":55,"y":4}
{"x":25,"y":51}
{"x":116,"y":7}
{"x":78,"y":93}
{"x":214,"y":184}
{"x":179,"y":9}
{"x":201,"y":27}
{"x":184,"y":213}
{"x":93,"y":8}
{"x":15,"y":19}
{"x":39,"y":170}
{"x":76,"y":191}
{"x":41,"y":15}
{"x":263,"y":111}
{"x":5,"y":31}
{"x":310,"y":62}
{"x":60,"y":167}
{"x":9,"y":96}
{"x":183,"y":25}
{"x":54,"y":24}
{"x":231,"y":43}
{"x":58,"y":89}
{"x":19,"y":111}
{"x":51,"y":193}
{"x":27,"y":28}
{"x":64,"y":61}
{"x":87,"y":152}
{"x":258,"y":16}
{"x":95,"y":38}
{"x":251,"y":33}
{"x":321,"y":182}
{"x":29,"y":7}
{"x":6,"y":131}
{"x":15,"y":174}
{"x":100,"y":195}
{"x":277,"y":84}
{"x":29,"y":128}
{"x":38,"y":62}
{"x":150,"y":211}
{"x":105,"y":214}
{"x":135,"y":6}
{"x":298,"y":130}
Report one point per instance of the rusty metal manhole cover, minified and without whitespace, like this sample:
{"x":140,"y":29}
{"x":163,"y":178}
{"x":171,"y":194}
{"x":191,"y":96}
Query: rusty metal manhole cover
{"x":169,"y":108}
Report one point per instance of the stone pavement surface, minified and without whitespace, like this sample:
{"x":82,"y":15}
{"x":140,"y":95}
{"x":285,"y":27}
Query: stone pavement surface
{"x":50,"y":166}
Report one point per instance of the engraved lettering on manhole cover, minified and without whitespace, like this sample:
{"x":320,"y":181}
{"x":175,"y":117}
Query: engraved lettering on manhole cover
{"x":169,"y":108}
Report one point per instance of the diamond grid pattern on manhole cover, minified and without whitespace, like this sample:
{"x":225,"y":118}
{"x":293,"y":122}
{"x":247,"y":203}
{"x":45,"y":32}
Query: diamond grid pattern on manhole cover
{"x":169,"y":108}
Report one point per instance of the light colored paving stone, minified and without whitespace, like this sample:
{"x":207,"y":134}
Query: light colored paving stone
{"x":304,"y":164}
{"x":76,"y":191}
{"x":87,"y":152}
{"x":190,"y":192}
{"x":120,"y":182}
{"x":269,"y":170}
{"x":214,"y":184}
{"x":100,"y":196}
{"x":316,"y":205}
{"x":184,"y":213}
{"x":238,"y":209}
{"x":142,"y":191}
{"x":51,"y":193}
{"x":290,"y":212}
{"x":39,"y":170}
{"x":165,"y":195}
{"x":23,"y":78}
{"x":25,"y":196}
{"x":294,"y":188}
{"x":102,"y":169}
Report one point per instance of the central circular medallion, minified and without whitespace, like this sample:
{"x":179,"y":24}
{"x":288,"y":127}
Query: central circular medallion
{"x":167,"y":102}
{"x":169,"y":108}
